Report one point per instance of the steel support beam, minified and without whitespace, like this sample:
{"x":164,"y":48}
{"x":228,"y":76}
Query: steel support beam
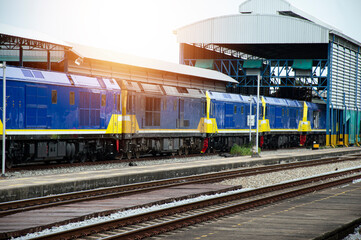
{"x":21,"y":58}
{"x":356,"y":96}
{"x":329,"y":89}
{"x":48,"y":60}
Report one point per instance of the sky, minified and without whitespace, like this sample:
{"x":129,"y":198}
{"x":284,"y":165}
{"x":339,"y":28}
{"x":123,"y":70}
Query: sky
{"x":145,"y":28}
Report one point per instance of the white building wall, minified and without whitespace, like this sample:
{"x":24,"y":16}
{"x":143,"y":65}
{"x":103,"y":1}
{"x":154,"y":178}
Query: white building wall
{"x":264,"y":6}
{"x":346,"y":83}
{"x":253,"y":29}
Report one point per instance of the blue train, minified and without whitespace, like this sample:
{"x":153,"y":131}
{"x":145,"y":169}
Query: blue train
{"x":58,"y":116}
{"x":282,"y":123}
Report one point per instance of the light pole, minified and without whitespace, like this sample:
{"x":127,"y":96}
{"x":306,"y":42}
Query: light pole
{"x":249,"y":119}
{"x":255,"y":154}
{"x":3,"y":66}
{"x":253,"y":68}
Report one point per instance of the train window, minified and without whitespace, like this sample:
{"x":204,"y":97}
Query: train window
{"x":95,"y":100}
{"x":27,"y":73}
{"x":235,"y":109}
{"x":242,"y":109}
{"x":296,"y":113}
{"x":164,"y":104}
{"x":54,"y":97}
{"x":283,"y":112}
{"x":38,"y":74}
{"x":316,"y":119}
{"x":288,"y":112}
{"x":175,"y":105}
{"x":156,"y":104}
{"x":104,"y":100}
{"x":152,"y":111}
{"x":204,"y":108}
{"x":130,"y":103}
{"x":118,"y":102}
{"x":182,"y":90}
{"x":71,"y":98}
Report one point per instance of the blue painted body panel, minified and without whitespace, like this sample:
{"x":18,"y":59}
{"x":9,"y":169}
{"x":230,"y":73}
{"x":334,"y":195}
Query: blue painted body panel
{"x":231,"y":110}
{"x":173,"y":109}
{"x":30,"y":106}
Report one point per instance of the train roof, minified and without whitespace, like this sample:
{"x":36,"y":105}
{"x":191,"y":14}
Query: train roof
{"x":57,"y":78}
{"x":230,"y":97}
{"x":282,"y":102}
{"x":313,"y":106}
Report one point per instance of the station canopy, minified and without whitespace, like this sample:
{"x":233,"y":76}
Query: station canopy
{"x":27,"y":48}
{"x":263,"y":28}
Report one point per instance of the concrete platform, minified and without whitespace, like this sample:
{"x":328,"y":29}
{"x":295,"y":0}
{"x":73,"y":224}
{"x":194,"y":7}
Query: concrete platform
{"x":312,"y":216}
{"x":35,"y":186}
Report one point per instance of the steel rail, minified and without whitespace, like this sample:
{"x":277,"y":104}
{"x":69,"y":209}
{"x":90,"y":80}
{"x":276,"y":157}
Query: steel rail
{"x":12,"y":207}
{"x":141,"y":232}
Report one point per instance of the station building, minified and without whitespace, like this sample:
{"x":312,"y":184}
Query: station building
{"x":295,"y":55}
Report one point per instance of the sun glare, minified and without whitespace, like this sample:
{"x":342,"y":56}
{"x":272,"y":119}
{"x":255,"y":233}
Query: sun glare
{"x":130,"y":27}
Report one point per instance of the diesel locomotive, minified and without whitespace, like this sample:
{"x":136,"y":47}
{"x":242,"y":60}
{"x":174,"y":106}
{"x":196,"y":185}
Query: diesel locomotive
{"x":58,"y":116}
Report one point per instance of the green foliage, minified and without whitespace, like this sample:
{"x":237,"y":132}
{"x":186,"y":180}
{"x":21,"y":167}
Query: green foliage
{"x":241,"y":150}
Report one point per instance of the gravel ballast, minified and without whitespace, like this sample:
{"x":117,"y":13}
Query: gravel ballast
{"x":262,"y":180}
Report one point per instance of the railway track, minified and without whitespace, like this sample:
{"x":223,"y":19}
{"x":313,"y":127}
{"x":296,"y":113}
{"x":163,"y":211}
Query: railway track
{"x":28,"y":204}
{"x":155,"y":222}
{"x":12,"y":207}
{"x":63,"y":164}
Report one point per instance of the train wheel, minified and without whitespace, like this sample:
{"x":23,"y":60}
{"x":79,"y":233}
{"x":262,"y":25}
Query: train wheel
{"x":180,"y":152}
{"x":71,"y":160}
{"x":186,"y":151}
{"x":82,"y":158}
{"x":129,"y":155}
{"x":137,"y":154}
{"x":9,"y":163}
{"x":93,"y":157}
{"x":212,"y":150}
{"x":120,"y":155}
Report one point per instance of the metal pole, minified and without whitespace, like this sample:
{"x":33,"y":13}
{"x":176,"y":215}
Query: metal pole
{"x":250,"y":114}
{"x":4,"y":118}
{"x":257,"y":118}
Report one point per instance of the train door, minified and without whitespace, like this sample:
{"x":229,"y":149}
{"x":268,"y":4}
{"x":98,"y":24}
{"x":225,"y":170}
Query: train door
{"x":131,"y":111}
{"x":36,"y":106}
{"x":316,"y":119}
{"x":116,"y":113}
{"x":279,"y":111}
{"x":15,"y":107}
{"x":229,"y":112}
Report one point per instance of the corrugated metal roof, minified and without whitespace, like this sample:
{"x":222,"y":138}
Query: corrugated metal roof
{"x":131,"y":60}
{"x":253,"y":29}
{"x":279,"y":7}
{"x":30,"y":34}
{"x":261,"y":21}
